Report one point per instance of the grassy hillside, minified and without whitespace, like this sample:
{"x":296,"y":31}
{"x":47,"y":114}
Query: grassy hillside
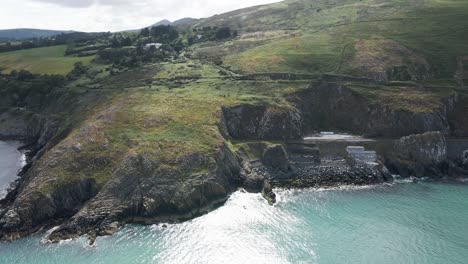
{"x":421,"y":39}
{"x":170,"y":109}
{"x":48,"y":60}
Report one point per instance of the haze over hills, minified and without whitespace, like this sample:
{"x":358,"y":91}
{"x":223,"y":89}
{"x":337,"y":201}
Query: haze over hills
{"x":28,"y":33}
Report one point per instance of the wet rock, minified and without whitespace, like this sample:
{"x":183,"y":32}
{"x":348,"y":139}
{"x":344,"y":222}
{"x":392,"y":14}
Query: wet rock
{"x":465,"y":158}
{"x":253,"y":182}
{"x":268,"y":194}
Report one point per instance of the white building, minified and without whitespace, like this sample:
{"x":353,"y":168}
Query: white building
{"x":155,"y":45}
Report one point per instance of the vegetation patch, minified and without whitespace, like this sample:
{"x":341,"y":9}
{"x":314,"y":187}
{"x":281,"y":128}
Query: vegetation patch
{"x":47,"y":60}
{"x":404,"y":98}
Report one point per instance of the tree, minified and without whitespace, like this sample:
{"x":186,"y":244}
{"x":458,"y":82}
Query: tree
{"x":145,"y":32}
{"x":223,"y":33}
{"x":24,"y":75}
{"x":78,"y":69}
{"x":179,"y":45}
{"x":14,"y":73}
{"x":127,"y":41}
{"x":164,"y":34}
{"x":115,"y":42}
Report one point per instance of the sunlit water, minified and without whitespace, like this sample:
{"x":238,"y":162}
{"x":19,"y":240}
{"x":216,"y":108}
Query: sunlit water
{"x":399,"y":223}
{"x":11,"y":160}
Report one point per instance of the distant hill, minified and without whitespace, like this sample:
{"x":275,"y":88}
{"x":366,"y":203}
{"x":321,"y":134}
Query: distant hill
{"x":28,"y":33}
{"x":163,"y":22}
{"x":181,"y":21}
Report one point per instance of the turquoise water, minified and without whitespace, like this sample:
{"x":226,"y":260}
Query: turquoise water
{"x":399,"y":223}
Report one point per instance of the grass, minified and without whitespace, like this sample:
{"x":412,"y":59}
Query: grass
{"x":170,"y":111}
{"x":409,"y":99}
{"x":159,"y":122}
{"x":48,"y":60}
{"x":299,"y":54}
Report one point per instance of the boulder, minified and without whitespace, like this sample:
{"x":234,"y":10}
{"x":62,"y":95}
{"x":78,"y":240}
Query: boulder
{"x":268,"y":194}
{"x":252,"y":181}
{"x":421,"y":155}
{"x":276,"y":158}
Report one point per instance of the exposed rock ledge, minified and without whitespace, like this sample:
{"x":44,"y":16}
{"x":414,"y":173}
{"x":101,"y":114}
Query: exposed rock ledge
{"x":141,"y":190}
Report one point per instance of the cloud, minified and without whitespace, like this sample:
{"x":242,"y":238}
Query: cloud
{"x":70,"y":3}
{"x":109,"y":15}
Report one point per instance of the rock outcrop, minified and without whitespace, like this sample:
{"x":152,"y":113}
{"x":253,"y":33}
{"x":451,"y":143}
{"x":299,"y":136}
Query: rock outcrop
{"x":20,"y":124}
{"x":141,"y":190}
{"x":334,"y":107}
{"x":276,"y":158}
{"x":420,"y":155}
{"x":304,"y":171}
{"x":262,"y":122}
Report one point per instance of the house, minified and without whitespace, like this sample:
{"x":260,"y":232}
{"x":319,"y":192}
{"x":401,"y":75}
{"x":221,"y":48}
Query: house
{"x":155,"y":45}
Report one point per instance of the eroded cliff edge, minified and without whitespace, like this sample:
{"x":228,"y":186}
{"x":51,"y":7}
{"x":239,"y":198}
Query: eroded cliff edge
{"x":125,"y":162}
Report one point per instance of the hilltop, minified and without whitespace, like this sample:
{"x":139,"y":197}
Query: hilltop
{"x":177,"y":22}
{"x":121,"y":131}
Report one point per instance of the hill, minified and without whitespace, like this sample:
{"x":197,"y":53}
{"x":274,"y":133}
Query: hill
{"x":178,"y":22}
{"x":346,"y":37}
{"x":163,"y":22}
{"x":28,"y":33}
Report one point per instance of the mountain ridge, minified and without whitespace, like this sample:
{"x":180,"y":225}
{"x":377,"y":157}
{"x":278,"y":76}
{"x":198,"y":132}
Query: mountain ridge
{"x":166,"y":22}
{"x":28,"y":33}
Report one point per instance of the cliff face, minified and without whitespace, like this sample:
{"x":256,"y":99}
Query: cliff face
{"x":141,"y":191}
{"x":262,"y":122}
{"x":331,"y":106}
{"x":334,"y":107}
{"x":20,"y":124}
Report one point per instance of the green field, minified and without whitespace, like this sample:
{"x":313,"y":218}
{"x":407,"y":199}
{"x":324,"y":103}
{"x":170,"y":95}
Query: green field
{"x":48,"y":60}
{"x":363,"y":39}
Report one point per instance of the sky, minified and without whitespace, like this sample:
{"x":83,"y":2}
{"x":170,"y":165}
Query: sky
{"x":109,"y":15}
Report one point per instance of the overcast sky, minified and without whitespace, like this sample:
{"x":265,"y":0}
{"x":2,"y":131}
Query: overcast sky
{"x":109,"y":15}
